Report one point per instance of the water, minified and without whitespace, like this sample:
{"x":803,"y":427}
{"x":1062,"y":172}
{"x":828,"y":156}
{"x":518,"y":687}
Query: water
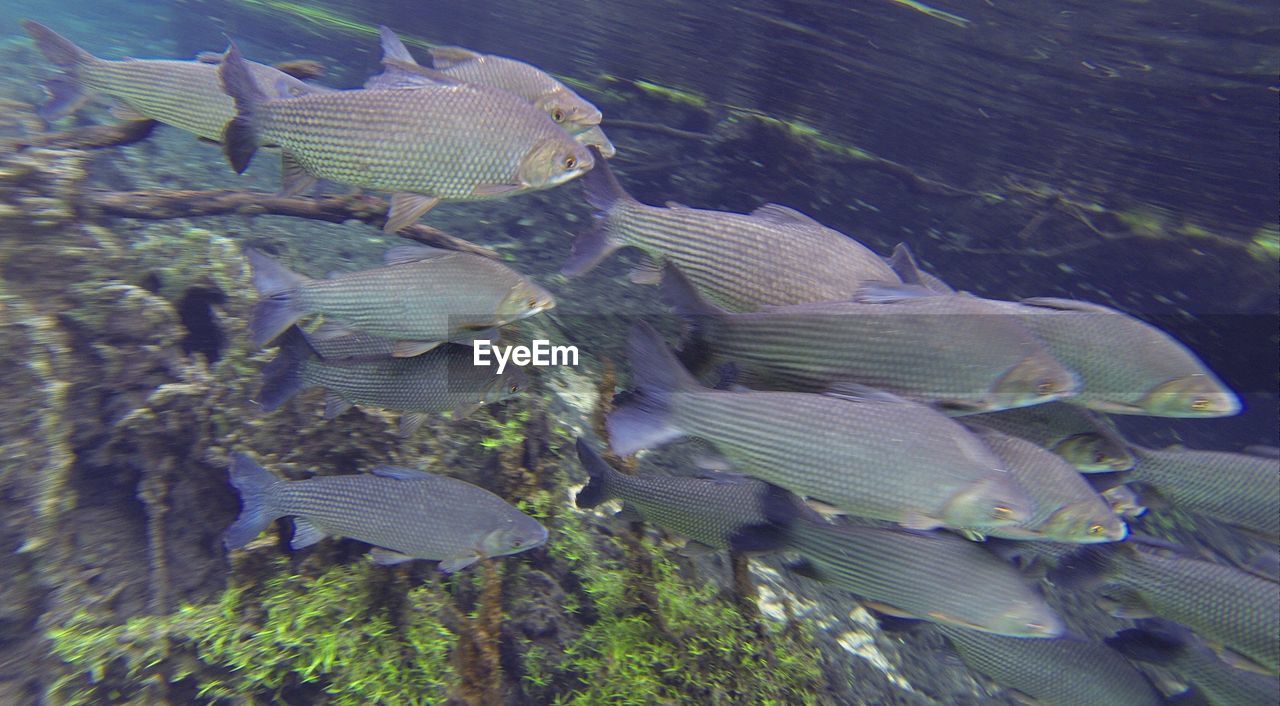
{"x":1119,"y":155}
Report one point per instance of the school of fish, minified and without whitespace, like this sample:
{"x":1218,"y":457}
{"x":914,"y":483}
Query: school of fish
{"x":940,"y":456}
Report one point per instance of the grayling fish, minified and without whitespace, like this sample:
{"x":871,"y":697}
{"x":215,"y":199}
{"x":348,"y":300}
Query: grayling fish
{"x":1067,"y":507}
{"x":931,"y":576}
{"x":1173,"y":647}
{"x":1239,"y":489}
{"x":441,"y":380}
{"x":1126,"y":365}
{"x":1081,"y":436}
{"x":185,"y":94}
{"x":569,"y":110}
{"x":420,"y":298}
{"x":406,"y":514}
{"x":774,"y":256}
{"x":951,"y":350}
{"x":1220,"y":603}
{"x":455,"y":142}
{"x":868,"y":453}
{"x":1066,"y":671}
{"x":722,"y":513}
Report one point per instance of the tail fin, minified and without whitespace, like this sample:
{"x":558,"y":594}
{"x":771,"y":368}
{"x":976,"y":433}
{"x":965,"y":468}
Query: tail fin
{"x":277,"y":310}
{"x":1086,"y":568}
{"x":679,"y":293}
{"x":239,"y":138}
{"x":603,"y":192}
{"x":282,"y":377}
{"x":601,"y":474}
{"x":254,"y":484}
{"x":1157,"y":642}
{"x":65,"y":92}
{"x":643,"y":422}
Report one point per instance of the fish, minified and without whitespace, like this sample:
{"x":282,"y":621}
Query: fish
{"x":443,"y":142}
{"x":937,"y":577}
{"x":1082,"y":437}
{"x":1067,"y":507}
{"x":865,"y":452}
{"x":721,"y":512}
{"x":442,"y":380}
{"x":1127,"y":366}
{"x":1169,"y":645}
{"x":420,"y":298}
{"x":743,"y":262}
{"x":568,"y":109}
{"x":1067,"y":671}
{"x":404,"y":513}
{"x":1232,"y":608}
{"x":951,"y":351}
{"x":903,"y":262}
{"x":187,"y":95}
{"x":1238,"y":489}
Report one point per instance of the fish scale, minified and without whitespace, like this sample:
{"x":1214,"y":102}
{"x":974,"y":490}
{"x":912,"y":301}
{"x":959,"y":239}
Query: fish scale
{"x":1079,"y":435}
{"x":1218,"y":602}
{"x":1239,"y":489}
{"x":936,"y":577}
{"x":1067,"y":507}
{"x":419,"y":518}
{"x":440,"y":380}
{"x":850,"y":454}
{"x":895,"y":347}
{"x":1060,"y":672}
{"x":438,"y":140}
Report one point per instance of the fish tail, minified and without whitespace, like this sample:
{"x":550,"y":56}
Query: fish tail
{"x":254,"y":483}
{"x":239,"y":137}
{"x":603,"y":192}
{"x":684,"y":299}
{"x":602,"y":477}
{"x":65,"y":92}
{"x":282,"y":377}
{"x":278,"y":309}
{"x":645,"y":421}
{"x":1085,"y":569}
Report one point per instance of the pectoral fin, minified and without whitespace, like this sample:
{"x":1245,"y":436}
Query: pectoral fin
{"x":458,"y":563}
{"x":406,"y":209}
{"x":488,"y":191}
{"x":409,"y":349}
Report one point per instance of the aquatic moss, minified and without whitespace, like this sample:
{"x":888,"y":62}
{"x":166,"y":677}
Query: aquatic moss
{"x":504,"y":433}
{"x":697,"y":647}
{"x":329,"y":634}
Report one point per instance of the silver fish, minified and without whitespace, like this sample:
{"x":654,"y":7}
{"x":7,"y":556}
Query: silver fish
{"x":1082,"y":437}
{"x":455,"y":142}
{"x":185,"y":94}
{"x":569,"y":110}
{"x":1067,"y":671}
{"x":1067,"y":508}
{"x":1239,"y":489}
{"x":1174,"y":647}
{"x":931,"y":576}
{"x":1127,"y":366}
{"x":442,"y":380}
{"x":720,"y":513}
{"x":868,"y":453}
{"x":406,"y":514}
{"x":951,"y":350}
{"x":420,"y":298}
{"x":773,"y":256}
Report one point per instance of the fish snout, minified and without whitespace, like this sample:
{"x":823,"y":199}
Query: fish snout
{"x":1196,"y":395}
{"x":1032,"y":619}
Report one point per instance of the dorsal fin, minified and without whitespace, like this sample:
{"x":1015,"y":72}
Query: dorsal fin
{"x":404,"y":254}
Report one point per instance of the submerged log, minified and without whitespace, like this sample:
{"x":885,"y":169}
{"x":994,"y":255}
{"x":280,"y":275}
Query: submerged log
{"x":175,"y":203}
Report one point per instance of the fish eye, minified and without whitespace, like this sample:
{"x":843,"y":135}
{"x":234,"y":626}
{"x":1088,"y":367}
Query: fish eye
{"x":557,"y":115}
{"x":531,"y":302}
{"x":1045,"y":387}
{"x":570,"y":162}
{"x":1096,"y":530}
{"x":1200,"y":404}
{"x":513,"y":388}
{"x":1099,"y":457}
{"x":1000,"y":512}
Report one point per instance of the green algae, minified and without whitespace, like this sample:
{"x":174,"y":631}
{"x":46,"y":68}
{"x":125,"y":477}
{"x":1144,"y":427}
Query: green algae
{"x":329,"y":632}
{"x":693,"y":644}
{"x":1264,"y":246}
